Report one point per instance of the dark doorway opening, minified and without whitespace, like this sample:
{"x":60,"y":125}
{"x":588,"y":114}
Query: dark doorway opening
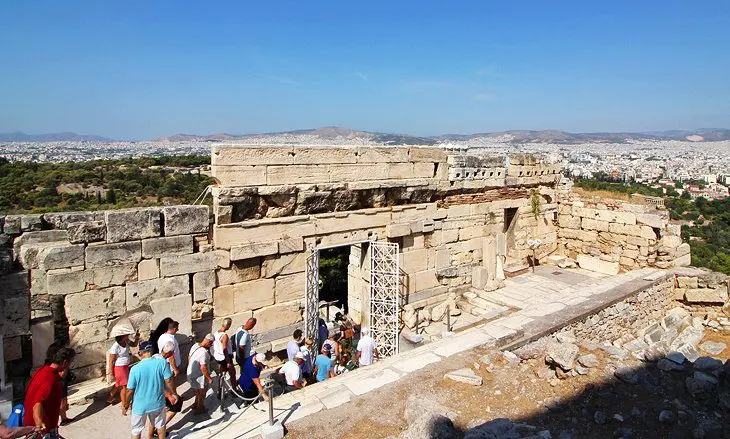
{"x":509,"y":218}
{"x":333,"y":276}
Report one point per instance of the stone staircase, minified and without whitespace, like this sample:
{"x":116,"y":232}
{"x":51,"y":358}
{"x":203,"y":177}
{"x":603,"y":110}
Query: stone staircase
{"x":477,"y":303}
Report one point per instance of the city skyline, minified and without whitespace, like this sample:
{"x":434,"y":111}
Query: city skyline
{"x":140,"y":71}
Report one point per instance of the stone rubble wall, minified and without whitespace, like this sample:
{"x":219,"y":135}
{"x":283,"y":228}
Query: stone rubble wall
{"x":69,"y":276}
{"x":609,"y":235}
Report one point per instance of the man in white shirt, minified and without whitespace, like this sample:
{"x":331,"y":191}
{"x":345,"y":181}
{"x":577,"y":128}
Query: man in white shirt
{"x":242,"y":341}
{"x":169,"y":337}
{"x":292,"y":371}
{"x":198,"y":373}
{"x":367,"y":348}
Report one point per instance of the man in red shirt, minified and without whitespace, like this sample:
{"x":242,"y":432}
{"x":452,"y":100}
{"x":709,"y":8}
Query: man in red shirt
{"x":44,"y":394}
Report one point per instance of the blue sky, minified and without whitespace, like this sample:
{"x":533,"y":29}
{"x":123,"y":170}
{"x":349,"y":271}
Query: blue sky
{"x":141,"y":69}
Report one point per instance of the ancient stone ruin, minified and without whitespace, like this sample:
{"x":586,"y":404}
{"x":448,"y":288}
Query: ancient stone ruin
{"x":460,"y":222}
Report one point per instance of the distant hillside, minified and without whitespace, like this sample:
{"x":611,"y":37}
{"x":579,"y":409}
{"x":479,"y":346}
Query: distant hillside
{"x":51,"y":137}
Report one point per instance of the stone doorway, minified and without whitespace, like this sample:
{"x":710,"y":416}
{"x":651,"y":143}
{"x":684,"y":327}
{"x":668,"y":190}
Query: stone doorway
{"x":372,"y":288}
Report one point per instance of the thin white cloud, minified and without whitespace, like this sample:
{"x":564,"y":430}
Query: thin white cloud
{"x":430,"y":83}
{"x":486,"y":71}
{"x":483,"y":97}
{"x":363,"y":76}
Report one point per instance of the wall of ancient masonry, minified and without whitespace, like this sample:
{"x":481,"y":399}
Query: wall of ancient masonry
{"x":70,"y":275}
{"x":609,"y":235}
{"x":273,"y":205}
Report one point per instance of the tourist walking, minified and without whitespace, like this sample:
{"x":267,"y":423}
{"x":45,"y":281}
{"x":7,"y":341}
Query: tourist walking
{"x":293,"y":346}
{"x":323,"y":365}
{"x":150,"y":382}
{"x":367,"y":349}
{"x":198,"y":373}
{"x":223,"y":355}
{"x":249,"y":381}
{"x":173,"y":405}
{"x":44,"y":394}
{"x":334,"y":347}
{"x":242,"y":341}
{"x":120,"y":360}
{"x":169,"y":337}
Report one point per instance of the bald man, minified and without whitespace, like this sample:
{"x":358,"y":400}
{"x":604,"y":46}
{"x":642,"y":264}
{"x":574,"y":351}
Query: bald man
{"x":242,"y":341}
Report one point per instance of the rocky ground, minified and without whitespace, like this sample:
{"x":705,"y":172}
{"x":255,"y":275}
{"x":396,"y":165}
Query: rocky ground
{"x":557,"y":387}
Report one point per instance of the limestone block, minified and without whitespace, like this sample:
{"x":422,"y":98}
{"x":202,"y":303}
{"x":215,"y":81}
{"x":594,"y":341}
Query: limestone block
{"x":569,"y":221}
{"x":399,"y":171}
{"x":132,"y":224}
{"x":15,"y":284}
{"x":223,"y":214}
{"x":414,"y":261}
{"x":203,"y":284}
{"x":223,"y":300}
{"x":674,"y":229}
{"x":245,"y":270}
{"x":706,"y":295}
{"x":596,"y":264}
{"x":683,"y":261}
{"x":298,"y":174}
{"x":623,"y":217}
{"x":87,"y":333}
{"x":64,"y":281}
{"x":289,"y":287}
{"x":95,"y":305}
{"x":650,"y":220}
{"x":276,"y":316}
{"x":39,"y":237}
{"x":62,"y":220}
{"x":424,"y":154}
{"x":423,"y":170}
{"x":103,"y":277}
{"x":222,"y":258}
{"x":682,"y":249}
{"x":422,"y":280}
{"x":101,"y":255}
{"x":324,"y":155}
{"x":246,"y":155}
{"x":443,"y":259}
{"x":479,"y":277}
{"x":30,"y":222}
{"x":449,"y":236}
{"x":291,"y":245}
{"x":178,"y":307}
{"x":249,"y":251}
{"x":188,"y":264}
{"x":148,"y":269}
{"x":591,"y":224}
{"x":266,"y":230}
{"x":167,"y":246}
{"x":143,"y":292}
{"x":37,"y":282}
{"x":240,"y":175}
{"x":53,"y":256}
{"x":184,"y":220}
{"x":397,"y":230}
{"x":358,"y":220}
{"x":378,"y":154}
{"x":43,"y":336}
{"x":84,"y":233}
{"x":648,"y":233}
{"x":11,"y":225}
{"x":92,"y":354}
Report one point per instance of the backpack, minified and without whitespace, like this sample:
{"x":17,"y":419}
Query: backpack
{"x":236,"y":341}
{"x":16,"y":416}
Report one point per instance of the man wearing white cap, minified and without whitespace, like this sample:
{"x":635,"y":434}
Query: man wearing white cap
{"x":198,"y":374}
{"x":250,"y":373}
{"x":292,"y":372}
{"x":366,"y":348}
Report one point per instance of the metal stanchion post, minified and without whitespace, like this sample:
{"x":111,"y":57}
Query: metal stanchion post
{"x":448,"y":318}
{"x":271,"y":402}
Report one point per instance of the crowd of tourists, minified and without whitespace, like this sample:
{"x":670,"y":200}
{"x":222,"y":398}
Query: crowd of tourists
{"x":147,"y":389}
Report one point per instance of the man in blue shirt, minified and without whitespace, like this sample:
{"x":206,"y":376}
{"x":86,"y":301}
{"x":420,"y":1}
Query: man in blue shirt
{"x":250,"y":372}
{"x":323,"y":364}
{"x":293,"y":346}
{"x":150,"y":382}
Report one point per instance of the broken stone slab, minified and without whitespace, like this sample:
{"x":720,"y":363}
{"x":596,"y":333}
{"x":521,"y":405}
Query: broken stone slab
{"x":677,"y":318}
{"x":466,"y":376}
{"x":132,"y":224}
{"x":62,"y":220}
{"x":84,"y":233}
{"x":690,"y":335}
{"x":713,"y":348}
{"x":598,"y":265}
{"x":676,"y":357}
{"x":186,"y":219}
{"x":562,"y":355}
{"x":706,"y":295}
{"x":203,"y":284}
{"x":38,"y":237}
{"x":689,"y":352}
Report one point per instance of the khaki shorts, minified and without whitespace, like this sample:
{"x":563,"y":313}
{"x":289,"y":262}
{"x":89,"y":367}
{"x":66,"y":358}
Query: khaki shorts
{"x":198,"y":383}
{"x":156,"y":418}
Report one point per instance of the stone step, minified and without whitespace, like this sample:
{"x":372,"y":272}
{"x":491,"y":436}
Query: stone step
{"x":515,"y":267}
{"x":502,"y":299}
{"x":484,"y":313}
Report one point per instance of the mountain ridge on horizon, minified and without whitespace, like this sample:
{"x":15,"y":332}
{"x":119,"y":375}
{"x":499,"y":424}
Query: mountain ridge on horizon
{"x":333,"y":132}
